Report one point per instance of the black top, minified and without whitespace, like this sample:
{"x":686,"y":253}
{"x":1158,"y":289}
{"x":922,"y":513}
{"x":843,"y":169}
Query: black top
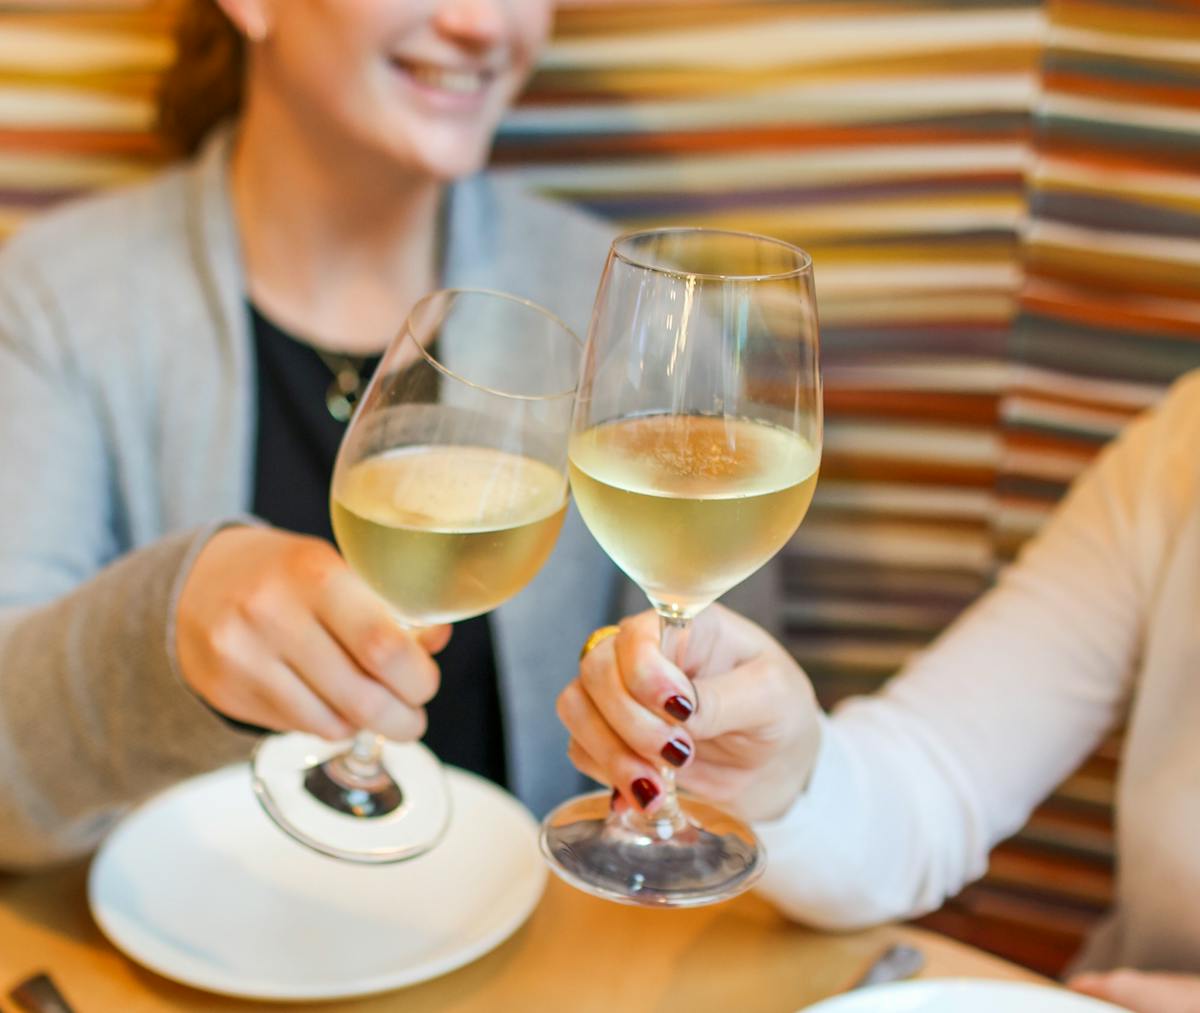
{"x":296,"y":446}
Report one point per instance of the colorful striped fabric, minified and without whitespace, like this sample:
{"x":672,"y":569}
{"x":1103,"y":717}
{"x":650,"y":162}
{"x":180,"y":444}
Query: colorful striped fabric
{"x":1111,"y":296}
{"x":76,"y":86}
{"x":1002,"y":198}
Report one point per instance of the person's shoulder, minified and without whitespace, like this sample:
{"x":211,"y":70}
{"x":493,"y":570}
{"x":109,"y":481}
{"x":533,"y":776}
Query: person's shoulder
{"x":88,"y":242}
{"x":545,"y":210}
{"x":1182,"y":399}
{"x":1169,"y":427}
{"x":547,"y":226}
{"x":508,"y":237}
{"x":1155,"y":455}
{"x":1176,"y":428}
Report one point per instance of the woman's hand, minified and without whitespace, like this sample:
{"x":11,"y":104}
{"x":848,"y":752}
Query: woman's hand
{"x":733,"y":711}
{"x":275,"y":630}
{"x":1141,"y":991}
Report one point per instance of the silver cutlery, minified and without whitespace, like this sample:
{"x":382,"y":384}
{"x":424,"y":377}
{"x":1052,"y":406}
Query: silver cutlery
{"x":896,"y":963}
{"x":39,"y":994}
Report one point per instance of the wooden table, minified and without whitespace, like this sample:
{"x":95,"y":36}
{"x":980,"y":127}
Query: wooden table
{"x":575,"y":955}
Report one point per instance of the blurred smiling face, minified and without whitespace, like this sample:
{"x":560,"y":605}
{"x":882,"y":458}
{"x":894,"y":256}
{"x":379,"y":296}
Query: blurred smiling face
{"x":422,"y":82}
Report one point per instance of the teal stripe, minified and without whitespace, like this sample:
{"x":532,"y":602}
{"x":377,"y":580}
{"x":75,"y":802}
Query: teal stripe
{"x":1116,"y":135}
{"x":1131,"y":70}
{"x":1091,"y":351}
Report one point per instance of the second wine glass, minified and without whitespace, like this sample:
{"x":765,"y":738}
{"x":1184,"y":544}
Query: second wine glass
{"x":693,"y":459}
{"x":448,"y":495}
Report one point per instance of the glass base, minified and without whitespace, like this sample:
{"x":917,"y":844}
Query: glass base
{"x":624,"y":857}
{"x":336,"y":783}
{"x":404,"y":819}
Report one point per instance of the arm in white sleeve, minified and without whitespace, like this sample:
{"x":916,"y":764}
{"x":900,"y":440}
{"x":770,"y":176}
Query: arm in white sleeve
{"x":913,"y":786}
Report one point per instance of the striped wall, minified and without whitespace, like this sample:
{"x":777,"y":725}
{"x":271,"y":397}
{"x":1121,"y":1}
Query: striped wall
{"x":891,"y":140}
{"x":1002,"y":198}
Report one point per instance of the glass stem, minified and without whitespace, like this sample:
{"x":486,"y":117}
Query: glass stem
{"x":364,"y":757}
{"x":363,"y":761}
{"x":668,"y":819}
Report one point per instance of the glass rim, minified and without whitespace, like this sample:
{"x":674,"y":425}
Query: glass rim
{"x":441,"y":367}
{"x":804,"y":267}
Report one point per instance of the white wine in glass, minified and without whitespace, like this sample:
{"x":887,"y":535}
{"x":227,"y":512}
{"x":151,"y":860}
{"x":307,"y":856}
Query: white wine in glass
{"x":694,"y":454}
{"x":445,"y":532}
{"x":690,"y":505}
{"x":448,"y":494}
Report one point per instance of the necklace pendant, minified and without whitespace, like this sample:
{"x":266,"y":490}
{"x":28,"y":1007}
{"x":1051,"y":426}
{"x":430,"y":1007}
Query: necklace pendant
{"x":346,"y":389}
{"x":343,"y":393}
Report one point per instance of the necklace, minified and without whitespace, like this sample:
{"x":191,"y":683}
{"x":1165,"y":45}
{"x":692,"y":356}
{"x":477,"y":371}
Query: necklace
{"x":346,"y":388}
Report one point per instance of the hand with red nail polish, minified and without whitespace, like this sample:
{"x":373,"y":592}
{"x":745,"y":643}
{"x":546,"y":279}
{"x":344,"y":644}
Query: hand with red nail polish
{"x":1142,"y":991}
{"x":733,"y":714}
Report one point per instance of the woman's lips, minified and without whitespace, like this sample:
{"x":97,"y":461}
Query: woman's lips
{"x":456,"y":82}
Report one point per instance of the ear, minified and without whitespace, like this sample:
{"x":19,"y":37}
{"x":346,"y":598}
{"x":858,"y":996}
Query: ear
{"x":253,"y":18}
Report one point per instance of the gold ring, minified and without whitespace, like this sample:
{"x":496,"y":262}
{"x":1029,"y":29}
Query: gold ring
{"x":598,"y":637}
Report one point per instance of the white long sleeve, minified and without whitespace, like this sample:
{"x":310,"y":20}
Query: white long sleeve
{"x":914,"y":785}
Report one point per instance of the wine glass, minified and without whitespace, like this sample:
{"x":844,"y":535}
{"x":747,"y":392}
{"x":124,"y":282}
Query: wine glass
{"x":693,"y":459}
{"x":448,"y":494}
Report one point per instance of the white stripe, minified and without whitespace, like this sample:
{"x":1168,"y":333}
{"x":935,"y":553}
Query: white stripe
{"x":1022,"y":521}
{"x":1128,"y":394}
{"x":1133,"y":114}
{"x":1123,"y":44}
{"x":756,"y":171}
{"x":895,"y":498}
{"x":894,"y":545}
{"x":866,"y":308}
{"x":952,"y":445}
{"x":1043,"y":464}
{"x":1093,"y":421}
{"x":812,"y":103}
{"x":867,"y":218}
{"x":1148,"y":183}
{"x":66,"y":108}
{"x":1139,"y":245}
{"x":977,"y":377}
{"x":45,"y":172}
{"x":916,"y":277}
{"x":26,"y":48}
{"x":799,"y":41}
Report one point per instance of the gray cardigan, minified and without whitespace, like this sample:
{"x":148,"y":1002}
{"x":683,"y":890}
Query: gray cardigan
{"x":128,"y":407}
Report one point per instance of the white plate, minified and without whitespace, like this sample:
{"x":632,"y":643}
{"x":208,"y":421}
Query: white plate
{"x":960,"y":995}
{"x":200,"y":886}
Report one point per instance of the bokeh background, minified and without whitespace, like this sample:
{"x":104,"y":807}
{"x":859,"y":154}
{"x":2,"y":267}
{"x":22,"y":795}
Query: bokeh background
{"x":1002,"y":198}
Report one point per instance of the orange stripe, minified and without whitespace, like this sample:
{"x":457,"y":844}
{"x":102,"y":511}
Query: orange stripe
{"x":1110,"y":311}
{"x":1126,"y":19}
{"x":81,"y":142}
{"x":1090,"y":86}
{"x":556,"y":148}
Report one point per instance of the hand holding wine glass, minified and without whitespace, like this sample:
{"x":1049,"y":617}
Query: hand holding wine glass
{"x":694,"y":453}
{"x":748,"y":744}
{"x":275,"y":630}
{"x":448,"y":494}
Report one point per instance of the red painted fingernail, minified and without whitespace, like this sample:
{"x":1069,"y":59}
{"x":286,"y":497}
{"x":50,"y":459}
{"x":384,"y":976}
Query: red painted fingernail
{"x":676,"y":752}
{"x":644,"y":791}
{"x":679,"y":707}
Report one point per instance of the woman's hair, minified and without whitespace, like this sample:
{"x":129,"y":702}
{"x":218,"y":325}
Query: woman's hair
{"x":203,"y":86}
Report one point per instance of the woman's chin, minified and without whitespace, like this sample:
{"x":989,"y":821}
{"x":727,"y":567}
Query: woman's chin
{"x":444,"y":166}
{"x":423,"y":151}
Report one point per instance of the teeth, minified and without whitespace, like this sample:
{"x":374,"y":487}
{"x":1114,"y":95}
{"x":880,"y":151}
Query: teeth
{"x":461,"y":82}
